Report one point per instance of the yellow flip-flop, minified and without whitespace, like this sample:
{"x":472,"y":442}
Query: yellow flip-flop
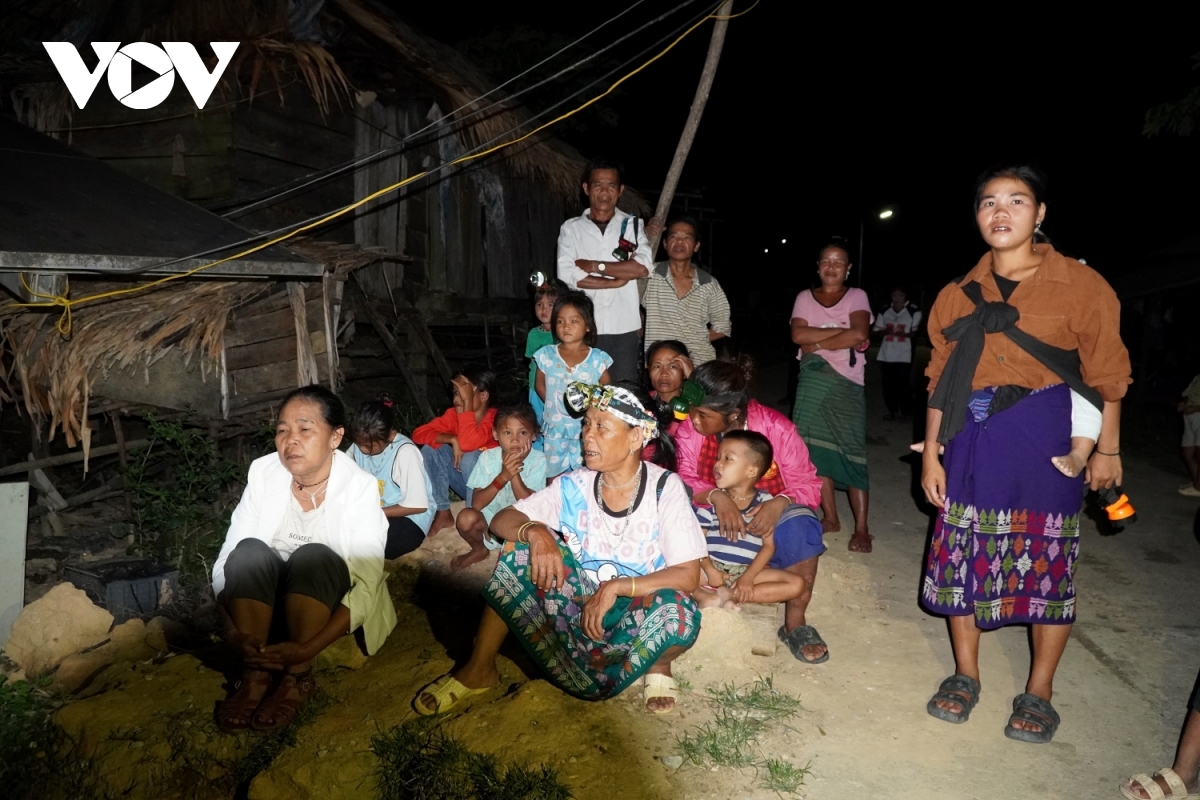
{"x":447,"y":692}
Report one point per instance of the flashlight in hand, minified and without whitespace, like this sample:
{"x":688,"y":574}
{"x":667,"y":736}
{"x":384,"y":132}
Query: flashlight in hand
{"x":1120,"y":512}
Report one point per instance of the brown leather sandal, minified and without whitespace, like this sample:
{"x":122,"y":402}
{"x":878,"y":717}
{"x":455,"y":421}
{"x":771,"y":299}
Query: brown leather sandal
{"x":285,"y":703}
{"x":236,"y":712}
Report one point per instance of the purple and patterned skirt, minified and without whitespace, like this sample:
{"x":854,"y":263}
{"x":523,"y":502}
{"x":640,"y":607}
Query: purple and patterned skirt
{"x":1006,"y":546}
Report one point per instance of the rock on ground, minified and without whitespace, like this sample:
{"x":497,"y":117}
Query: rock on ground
{"x":48,"y":630}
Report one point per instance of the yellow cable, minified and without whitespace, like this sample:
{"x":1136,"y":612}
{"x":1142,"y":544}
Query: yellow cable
{"x":64,"y":322}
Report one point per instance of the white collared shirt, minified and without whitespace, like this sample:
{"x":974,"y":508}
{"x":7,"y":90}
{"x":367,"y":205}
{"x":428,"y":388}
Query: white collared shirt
{"x":579,"y":237}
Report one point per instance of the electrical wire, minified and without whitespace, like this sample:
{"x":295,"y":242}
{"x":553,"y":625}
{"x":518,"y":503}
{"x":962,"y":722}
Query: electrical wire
{"x":461,"y":122}
{"x":258,"y":237}
{"x":64,"y":323}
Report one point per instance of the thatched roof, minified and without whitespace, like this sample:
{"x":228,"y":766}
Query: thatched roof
{"x":54,"y":374}
{"x":274,"y":45}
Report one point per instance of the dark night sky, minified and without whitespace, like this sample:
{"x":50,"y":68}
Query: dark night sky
{"x":815,"y":121}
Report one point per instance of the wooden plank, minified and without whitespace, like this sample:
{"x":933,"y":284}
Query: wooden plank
{"x":271,"y":325}
{"x":376,"y":322}
{"x":268,"y":378}
{"x":306,"y":362}
{"x":71,"y":458}
{"x":270,"y":351}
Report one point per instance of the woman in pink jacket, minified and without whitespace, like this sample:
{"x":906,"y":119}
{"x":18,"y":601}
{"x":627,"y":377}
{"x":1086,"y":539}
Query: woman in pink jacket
{"x":792,"y":480}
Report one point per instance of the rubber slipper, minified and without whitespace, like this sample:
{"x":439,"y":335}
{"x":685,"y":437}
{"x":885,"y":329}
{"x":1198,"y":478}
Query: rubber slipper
{"x":657,"y":686}
{"x":446,"y":693}
{"x":953,"y":690}
{"x":800,"y":637}
{"x":1148,"y":785}
{"x":1031,"y":708}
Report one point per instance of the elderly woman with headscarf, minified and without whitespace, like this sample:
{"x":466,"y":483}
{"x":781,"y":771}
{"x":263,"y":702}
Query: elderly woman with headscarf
{"x":597,"y":571}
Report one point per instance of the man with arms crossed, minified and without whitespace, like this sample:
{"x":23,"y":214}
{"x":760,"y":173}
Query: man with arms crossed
{"x":603,"y":252}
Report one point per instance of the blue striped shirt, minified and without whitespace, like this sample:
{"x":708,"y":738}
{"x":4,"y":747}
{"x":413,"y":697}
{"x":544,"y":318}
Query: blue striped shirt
{"x":741,"y":551}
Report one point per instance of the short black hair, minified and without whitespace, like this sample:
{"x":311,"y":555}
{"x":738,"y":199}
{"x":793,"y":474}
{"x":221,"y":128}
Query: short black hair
{"x":684,"y":219}
{"x":603,"y":162}
{"x":374,"y":420}
{"x":841,"y":243}
{"x":666,"y":344}
{"x":523,"y":412}
{"x":1028,"y":174}
{"x":483,"y":379}
{"x":664,"y":444}
{"x":726,"y":377}
{"x":332,"y":410}
{"x":758,"y":444}
{"x":581,"y":303}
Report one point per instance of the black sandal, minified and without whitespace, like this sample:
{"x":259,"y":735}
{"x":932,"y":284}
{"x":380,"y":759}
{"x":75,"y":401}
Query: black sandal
{"x":800,"y":637}
{"x":1031,"y":708}
{"x":960,"y":689}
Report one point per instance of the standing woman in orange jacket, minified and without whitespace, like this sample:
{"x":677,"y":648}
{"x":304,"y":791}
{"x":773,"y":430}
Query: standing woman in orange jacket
{"x":1012,"y":340}
{"x":451,"y":443}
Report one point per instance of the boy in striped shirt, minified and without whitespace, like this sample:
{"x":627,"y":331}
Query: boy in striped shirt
{"x":737,"y":568}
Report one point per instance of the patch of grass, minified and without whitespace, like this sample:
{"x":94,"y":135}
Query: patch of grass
{"x":419,"y":761}
{"x":781,"y":777}
{"x":759,"y":700}
{"x":34,"y":755}
{"x":731,"y":740}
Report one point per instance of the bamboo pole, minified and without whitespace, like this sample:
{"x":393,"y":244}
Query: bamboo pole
{"x":693,"y":120}
{"x":71,"y":458}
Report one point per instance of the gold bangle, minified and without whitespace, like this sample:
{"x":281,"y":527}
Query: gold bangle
{"x":524,"y":530}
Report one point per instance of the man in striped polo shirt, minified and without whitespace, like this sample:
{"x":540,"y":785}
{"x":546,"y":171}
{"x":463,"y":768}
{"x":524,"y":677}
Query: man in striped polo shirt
{"x":682,"y":301}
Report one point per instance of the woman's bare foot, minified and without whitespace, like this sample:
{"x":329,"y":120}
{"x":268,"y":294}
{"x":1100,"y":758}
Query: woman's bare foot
{"x":472,"y":556}
{"x":830,"y":525}
{"x":442,"y":519}
{"x":1071,"y":464}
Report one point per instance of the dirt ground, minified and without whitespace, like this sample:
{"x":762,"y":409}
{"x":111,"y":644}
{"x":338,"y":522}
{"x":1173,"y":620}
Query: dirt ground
{"x":1122,"y":686}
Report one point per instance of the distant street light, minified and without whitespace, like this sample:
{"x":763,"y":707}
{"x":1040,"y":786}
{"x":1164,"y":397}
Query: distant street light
{"x":783,"y":241}
{"x":862,"y":227}
{"x":765,"y":250}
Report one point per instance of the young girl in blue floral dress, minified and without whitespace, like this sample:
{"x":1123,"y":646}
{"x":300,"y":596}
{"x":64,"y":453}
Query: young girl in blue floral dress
{"x":573,"y":359}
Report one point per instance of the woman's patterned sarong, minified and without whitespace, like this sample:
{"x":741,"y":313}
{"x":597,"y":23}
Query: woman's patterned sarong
{"x":831,"y":417}
{"x":637,"y":630}
{"x":1006,"y":546}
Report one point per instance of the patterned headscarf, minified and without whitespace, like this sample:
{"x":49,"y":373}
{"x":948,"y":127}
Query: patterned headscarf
{"x":621,"y":403}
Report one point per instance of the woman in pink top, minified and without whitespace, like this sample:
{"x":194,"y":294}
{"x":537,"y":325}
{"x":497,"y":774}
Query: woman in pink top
{"x":792,"y":480}
{"x":832,"y":324}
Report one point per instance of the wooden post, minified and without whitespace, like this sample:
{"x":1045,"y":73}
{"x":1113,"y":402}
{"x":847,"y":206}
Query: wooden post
{"x":123,"y":456}
{"x":393,"y":347}
{"x":693,"y":120}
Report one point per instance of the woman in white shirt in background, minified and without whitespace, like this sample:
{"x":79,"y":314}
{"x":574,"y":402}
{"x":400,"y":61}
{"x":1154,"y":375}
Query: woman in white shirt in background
{"x":306,"y":539}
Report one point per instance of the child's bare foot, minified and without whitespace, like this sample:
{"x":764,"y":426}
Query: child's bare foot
{"x":442,"y":519}
{"x":731,"y":605}
{"x":706,"y":598}
{"x":1071,"y":464}
{"x":831,"y":525}
{"x":472,"y":556}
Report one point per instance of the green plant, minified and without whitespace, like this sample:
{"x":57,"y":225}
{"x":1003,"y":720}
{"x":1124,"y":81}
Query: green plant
{"x":759,"y":700}
{"x":782,"y":777}
{"x":731,"y":740}
{"x":32,"y":748}
{"x":419,"y":761}
{"x":175,"y":489}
